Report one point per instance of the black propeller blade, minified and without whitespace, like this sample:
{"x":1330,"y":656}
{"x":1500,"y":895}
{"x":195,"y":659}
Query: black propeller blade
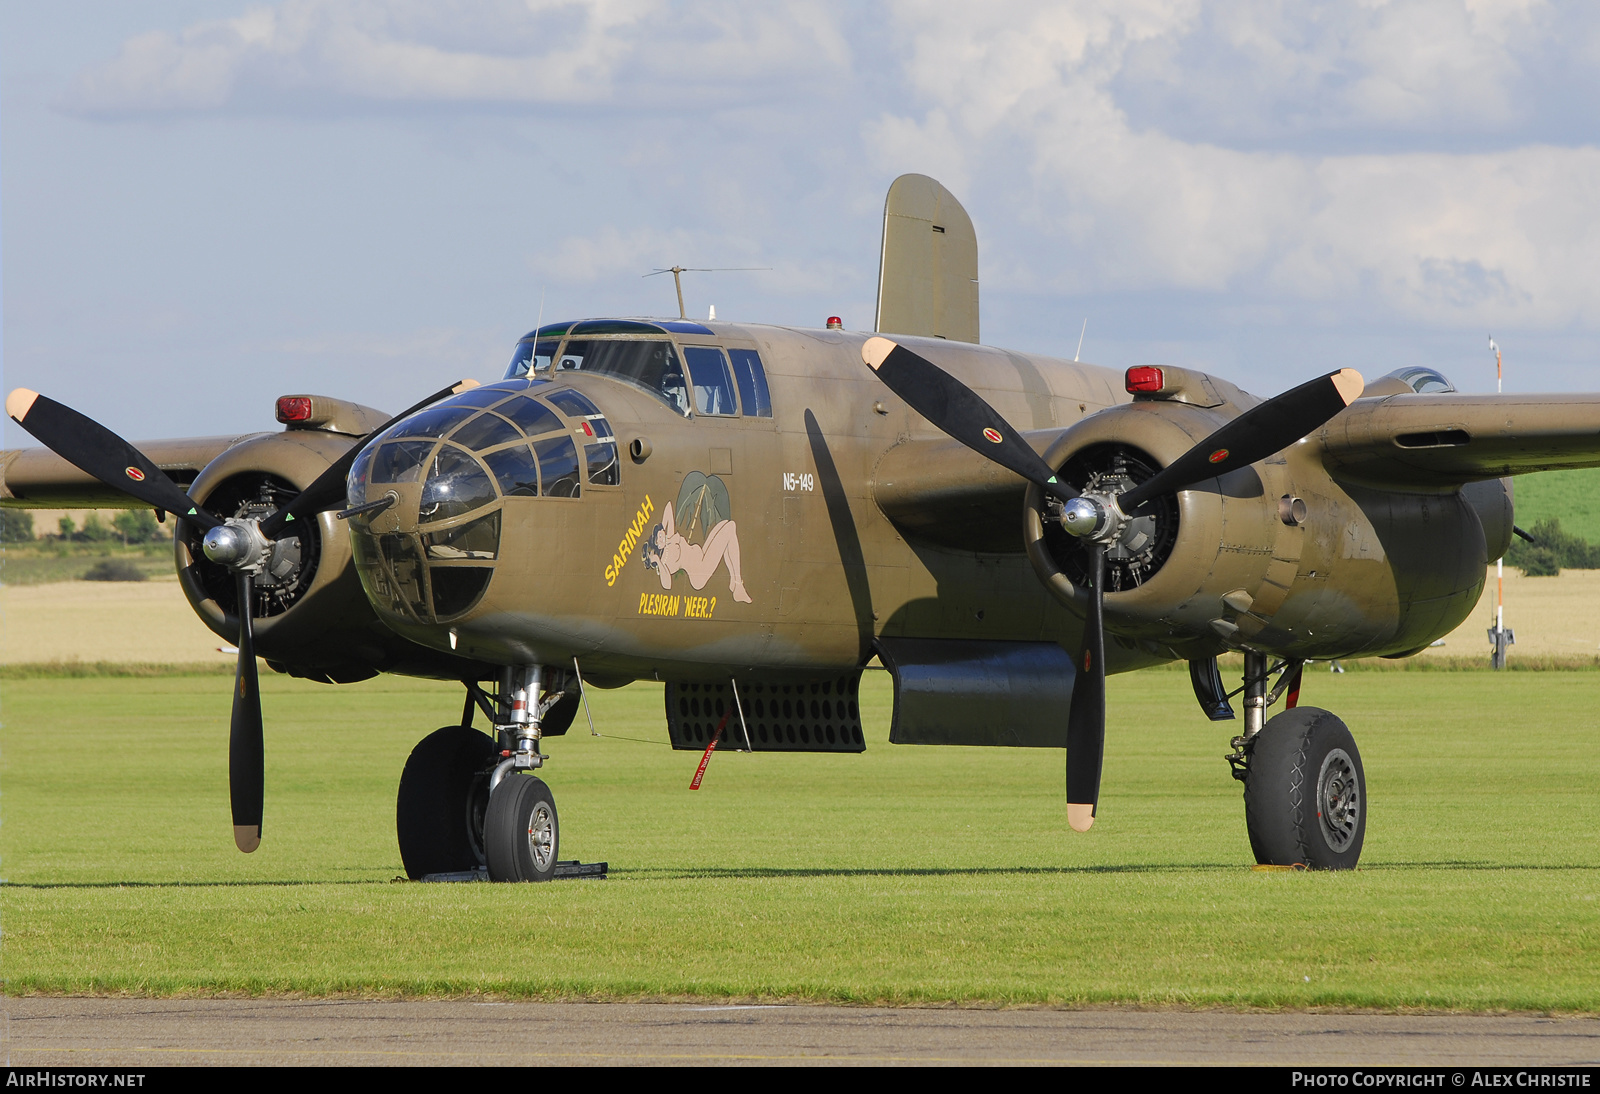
{"x":1086,"y":717}
{"x":1254,"y":435}
{"x":959,"y":411}
{"x":97,"y":451}
{"x":94,"y":449}
{"x":327,"y":490}
{"x":246,"y":749}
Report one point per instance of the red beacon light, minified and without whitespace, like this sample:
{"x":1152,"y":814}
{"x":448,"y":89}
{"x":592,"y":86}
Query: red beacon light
{"x":1143,"y":378}
{"x":294,"y":408}
{"x":835,"y":323}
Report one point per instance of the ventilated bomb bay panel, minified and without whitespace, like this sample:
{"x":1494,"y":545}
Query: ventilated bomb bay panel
{"x":815,"y":716}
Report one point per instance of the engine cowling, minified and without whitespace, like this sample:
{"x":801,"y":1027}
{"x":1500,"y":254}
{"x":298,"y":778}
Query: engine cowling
{"x":311,"y":617}
{"x":1168,"y":574}
{"x":1277,"y":556}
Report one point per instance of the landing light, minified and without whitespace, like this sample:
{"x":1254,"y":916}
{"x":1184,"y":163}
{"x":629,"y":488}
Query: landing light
{"x":294,"y":408}
{"x":1144,"y":378}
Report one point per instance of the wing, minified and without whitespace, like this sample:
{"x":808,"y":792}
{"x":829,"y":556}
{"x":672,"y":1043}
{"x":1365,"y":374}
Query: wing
{"x":37,"y":478}
{"x":1445,"y":440}
{"x":943,"y":492}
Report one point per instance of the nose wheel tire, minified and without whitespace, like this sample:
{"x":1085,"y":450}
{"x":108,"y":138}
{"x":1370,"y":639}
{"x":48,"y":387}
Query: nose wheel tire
{"x":1305,"y":793}
{"x":521,"y":831}
{"x":444,"y":792}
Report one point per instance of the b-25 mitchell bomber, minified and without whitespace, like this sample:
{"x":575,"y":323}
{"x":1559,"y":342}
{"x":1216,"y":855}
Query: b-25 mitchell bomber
{"x":752,"y":513}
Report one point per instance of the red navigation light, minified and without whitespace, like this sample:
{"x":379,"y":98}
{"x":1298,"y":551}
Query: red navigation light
{"x":294,"y":408}
{"x":1144,"y":378}
{"x":835,"y":323}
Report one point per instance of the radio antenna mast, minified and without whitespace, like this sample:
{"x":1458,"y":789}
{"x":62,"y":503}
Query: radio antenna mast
{"x":677,"y":273}
{"x":1499,"y":637}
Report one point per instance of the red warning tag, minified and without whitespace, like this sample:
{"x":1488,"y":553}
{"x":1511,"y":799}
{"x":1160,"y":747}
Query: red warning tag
{"x":700,"y":772}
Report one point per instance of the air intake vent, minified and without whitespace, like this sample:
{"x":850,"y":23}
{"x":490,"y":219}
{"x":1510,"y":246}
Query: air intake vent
{"x":814,"y":716}
{"x":1444,"y":438}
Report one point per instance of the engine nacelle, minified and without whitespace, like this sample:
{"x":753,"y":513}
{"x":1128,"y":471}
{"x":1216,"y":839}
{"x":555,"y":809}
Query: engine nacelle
{"x":1276,"y":556}
{"x":1196,"y":547}
{"x":311,"y":617}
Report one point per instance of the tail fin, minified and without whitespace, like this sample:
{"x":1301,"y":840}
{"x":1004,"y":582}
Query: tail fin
{"x":928,"y":274}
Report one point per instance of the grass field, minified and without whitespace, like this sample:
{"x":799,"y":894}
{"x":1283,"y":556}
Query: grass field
{"x":1571,"y":496}
{"x":903,"y":875}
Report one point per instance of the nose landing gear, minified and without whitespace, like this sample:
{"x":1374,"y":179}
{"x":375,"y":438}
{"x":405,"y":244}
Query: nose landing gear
{"x":470,"y":804}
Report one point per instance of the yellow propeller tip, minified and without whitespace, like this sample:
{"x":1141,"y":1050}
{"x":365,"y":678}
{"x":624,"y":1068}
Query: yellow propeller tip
{"x":1081,"y":817}
{"x":875,"y":349}
{"x":247,"y":836}
{"x":19,"y":402}
{"x":1349,"y":384}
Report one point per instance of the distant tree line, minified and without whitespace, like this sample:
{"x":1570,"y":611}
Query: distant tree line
{"x":130,"y":526}
{"x":1551,"y":550}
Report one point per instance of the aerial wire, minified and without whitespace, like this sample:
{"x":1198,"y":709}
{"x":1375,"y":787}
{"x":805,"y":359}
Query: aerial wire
{"x":1498,"y":636}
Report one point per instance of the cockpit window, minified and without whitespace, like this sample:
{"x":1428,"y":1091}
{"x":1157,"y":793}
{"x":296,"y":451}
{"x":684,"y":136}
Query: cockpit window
{"x":651,"y":365}
{"x":531,"y":357}
{"x":430,"y":423}
{"x":574,"y":403}
{"x":478,"y":539}
{"x":533,"y":416}
{"x":602,"y":461}
{"x":558,"y":466}
{"x":1423,"y":380}
{"x":480,"y":396}
{"x":486,"y":431}
{"x":456,"y":484}
{"x":400,"y":461}
{"x":752,"y":383}
{"x":516,"y":471}
{"x":713,"y":386}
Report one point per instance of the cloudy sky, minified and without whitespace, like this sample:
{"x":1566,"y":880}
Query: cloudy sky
{"x":206,"y":204}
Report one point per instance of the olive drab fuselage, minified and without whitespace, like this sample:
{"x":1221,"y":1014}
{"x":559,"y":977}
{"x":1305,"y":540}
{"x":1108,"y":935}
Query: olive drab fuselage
{"x":729,"y":542}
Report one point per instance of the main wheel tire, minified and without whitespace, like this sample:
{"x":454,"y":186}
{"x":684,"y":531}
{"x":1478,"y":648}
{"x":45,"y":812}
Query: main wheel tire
{"x":521,"y":831}
{"x":444,"y":792}
{"x":1305,"y":794}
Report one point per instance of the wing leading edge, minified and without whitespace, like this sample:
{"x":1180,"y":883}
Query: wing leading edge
{"x":1442,"y":441}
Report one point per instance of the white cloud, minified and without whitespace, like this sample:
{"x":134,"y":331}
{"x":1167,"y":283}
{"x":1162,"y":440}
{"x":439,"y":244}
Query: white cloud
{"x":1025,"y":102}
{"x":638,"y":53}
{"x":1270,"y":150}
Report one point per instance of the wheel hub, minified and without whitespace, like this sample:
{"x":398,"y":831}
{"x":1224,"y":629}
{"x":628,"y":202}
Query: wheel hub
{"x":541,"y":836}
{"x":1338,"y":800}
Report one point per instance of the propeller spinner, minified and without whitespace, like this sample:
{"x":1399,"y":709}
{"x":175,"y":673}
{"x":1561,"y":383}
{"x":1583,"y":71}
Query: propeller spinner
{"x":1100,"y":518}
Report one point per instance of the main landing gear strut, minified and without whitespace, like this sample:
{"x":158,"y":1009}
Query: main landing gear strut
{"x":1304,"y":787}
{"x":469,"y":802}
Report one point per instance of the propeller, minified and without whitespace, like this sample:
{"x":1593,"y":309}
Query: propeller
{"x":95,"y":450}
{"x":241,"y":544}
{"x":1100,"y":519}
{"x":1086,"y":716}
{"x":959,"y":411}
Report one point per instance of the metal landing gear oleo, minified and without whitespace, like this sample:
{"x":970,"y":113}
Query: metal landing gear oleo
{"x":1305,"y":798}
{"x":471,"y":806}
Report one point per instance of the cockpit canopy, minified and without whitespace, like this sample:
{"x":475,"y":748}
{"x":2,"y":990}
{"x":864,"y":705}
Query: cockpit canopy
{"x":1423,"y":380}
{"x":698,"y":380}
{"x":455,"y":463}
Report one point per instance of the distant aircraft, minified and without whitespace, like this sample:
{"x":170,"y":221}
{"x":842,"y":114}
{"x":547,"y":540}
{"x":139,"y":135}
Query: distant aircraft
{"x":751,"y":513}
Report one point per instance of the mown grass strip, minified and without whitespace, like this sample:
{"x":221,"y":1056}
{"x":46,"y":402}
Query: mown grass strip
{"x":82,"y":670}
{"x":903,"y":875}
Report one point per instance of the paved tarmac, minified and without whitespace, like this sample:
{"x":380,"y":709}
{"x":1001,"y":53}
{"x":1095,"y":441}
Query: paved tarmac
{"x":42,"y":1031}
